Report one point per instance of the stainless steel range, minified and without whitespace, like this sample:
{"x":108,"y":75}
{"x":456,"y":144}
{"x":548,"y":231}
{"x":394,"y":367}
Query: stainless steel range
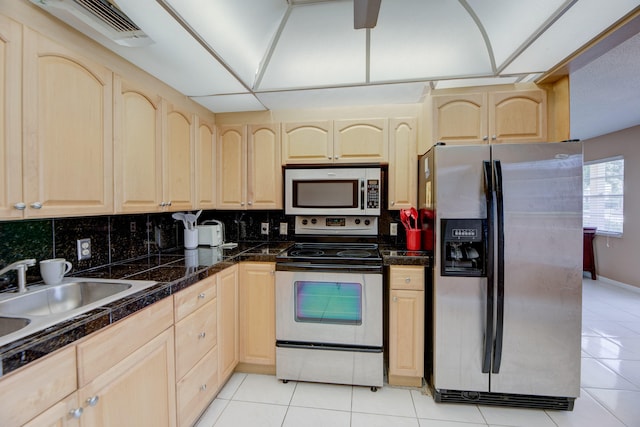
{"x":329,"y":303}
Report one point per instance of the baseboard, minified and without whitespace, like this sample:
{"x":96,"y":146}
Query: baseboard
{"x":619,"y":284}
{"x":402,"y":381}
{"x":252,"y":368}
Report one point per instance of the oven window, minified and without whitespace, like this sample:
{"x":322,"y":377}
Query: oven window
{"x":328,"y":302}
{"x":325,"y":194}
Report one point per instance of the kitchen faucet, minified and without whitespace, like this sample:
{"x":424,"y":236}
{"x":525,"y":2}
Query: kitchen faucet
{"x":21,"y":267}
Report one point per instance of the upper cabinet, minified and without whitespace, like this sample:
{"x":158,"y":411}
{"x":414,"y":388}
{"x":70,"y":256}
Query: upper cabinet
{"x":493,"y":117}
{"x":67,"y":118}
{"x":137,"y":149}
{"x":340,"y":141}
{"x":177,"y":159}
{"x":11,"y":200}
{"x":403,"y":164}
{"x":249,"y":167}
{"x":205,"y":164}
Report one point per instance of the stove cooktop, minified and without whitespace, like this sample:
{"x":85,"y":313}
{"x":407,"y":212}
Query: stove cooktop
{"x":336,"y":252}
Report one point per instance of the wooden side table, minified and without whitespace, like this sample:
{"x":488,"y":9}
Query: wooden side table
{"x":588,"y":258}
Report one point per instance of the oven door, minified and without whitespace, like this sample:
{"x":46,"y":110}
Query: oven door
{"x":329,"y":308}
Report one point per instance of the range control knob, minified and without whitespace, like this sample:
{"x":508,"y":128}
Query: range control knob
{"x":314,"y":221}
{"x":367,"y":222}
{"x":357,"y":221}
{"x":305,"y":222}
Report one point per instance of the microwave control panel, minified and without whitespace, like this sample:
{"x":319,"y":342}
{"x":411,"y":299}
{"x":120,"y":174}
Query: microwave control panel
{"x":373,"y":193}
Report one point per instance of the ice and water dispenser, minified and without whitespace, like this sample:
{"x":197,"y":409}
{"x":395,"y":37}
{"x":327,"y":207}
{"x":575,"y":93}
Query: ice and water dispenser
{"x":463,"y":250}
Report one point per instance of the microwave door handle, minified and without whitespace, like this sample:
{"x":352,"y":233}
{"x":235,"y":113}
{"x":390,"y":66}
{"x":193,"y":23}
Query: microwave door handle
{"x":362,"y":194}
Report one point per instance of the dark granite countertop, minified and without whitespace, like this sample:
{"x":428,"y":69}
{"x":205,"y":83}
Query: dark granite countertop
{"x":174,"y":272}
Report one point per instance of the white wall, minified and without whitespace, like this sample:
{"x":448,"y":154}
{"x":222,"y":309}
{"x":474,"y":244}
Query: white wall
{"x":619,"y":258}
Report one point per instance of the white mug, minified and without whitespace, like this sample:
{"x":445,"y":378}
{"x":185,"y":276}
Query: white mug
{"x":53,"y":270}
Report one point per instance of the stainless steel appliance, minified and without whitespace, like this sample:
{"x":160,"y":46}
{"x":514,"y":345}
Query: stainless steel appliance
{"x":507,"y":272}
{"x":329,"y":303}
{"x":332,"y":190}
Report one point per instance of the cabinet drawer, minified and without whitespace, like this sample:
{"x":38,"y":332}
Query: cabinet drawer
{"x":407,"y":277}
{"x":195,"y":335}
{"x":197,"y":388}
{"x":35,"y":388}
{"x":106,"y":348}
{"x":194,"y":297}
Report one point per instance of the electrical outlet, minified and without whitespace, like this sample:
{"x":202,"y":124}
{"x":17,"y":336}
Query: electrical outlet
{"x":132,"y":227}
{"x":264,"y":228}
{"x":393,"y":229}
{"x":84,"y":249}
{"x":283,"y":228}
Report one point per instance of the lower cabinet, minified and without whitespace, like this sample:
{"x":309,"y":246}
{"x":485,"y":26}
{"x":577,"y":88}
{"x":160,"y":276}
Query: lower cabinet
{"x":65,"y":413}
{"x":257,"y":320}
{"x":406,"y":325}
{"x":227,"y":283}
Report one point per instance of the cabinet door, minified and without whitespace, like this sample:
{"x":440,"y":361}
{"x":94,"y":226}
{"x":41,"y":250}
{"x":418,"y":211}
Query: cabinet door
{"x":360,"y":141}
{"x":205,"y":165}
{"x":257,"y":313}
{"x":137,"y":149}
{"x":68,"y":111}
{"x":406,"y":335}
{"x":227,"y":322}
{"x":178,"y":160}
{"x":138,"y":391}
{"x":232,"y":167}
{"x":195,"y":336}
{"x":460,"y":119}
{"x":264,"y":180}
{"x":11,"y":200}
{"x":65,"y":413}
{"x":403,"y":164}
{"x":519,"y":116}
{"x":307,"y":142}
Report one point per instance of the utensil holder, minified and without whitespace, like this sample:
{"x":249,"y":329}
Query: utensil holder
{"x":190,"y":238}
{"x":413,"y":239}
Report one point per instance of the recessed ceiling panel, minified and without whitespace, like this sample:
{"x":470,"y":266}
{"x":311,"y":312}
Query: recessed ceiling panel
{"x":490,"y":81}
{"x":509,"y":23}
{"x":240,"y":31}
{"x":417,"y":39}
{"x":318,"y":47}
{"x":401,"y":93}
{"x":175,"y":57}
{"x":229,"y":103}
{"x":580,"y":24}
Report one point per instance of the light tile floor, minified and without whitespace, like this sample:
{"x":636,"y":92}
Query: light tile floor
{"x":610,"y":395}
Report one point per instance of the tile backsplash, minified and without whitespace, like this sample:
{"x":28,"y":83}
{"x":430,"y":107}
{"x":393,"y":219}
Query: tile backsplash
{"x":118,"y":237}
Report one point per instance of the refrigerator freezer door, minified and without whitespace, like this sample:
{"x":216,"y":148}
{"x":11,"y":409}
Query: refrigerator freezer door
{"x":542,"y":193}
{"x":459,"y":302}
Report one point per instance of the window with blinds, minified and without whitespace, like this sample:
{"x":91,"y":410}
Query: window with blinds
{"x":603,"y":195}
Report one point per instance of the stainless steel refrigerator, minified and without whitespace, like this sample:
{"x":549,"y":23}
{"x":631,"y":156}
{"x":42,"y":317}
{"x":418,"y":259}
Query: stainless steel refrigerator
{"x":507,"y":272}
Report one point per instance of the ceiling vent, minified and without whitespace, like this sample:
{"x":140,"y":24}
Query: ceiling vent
{"x":101,"y":16}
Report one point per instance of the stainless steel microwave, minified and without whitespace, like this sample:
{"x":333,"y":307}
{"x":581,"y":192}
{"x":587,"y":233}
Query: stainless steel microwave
{"x":332,"y":191}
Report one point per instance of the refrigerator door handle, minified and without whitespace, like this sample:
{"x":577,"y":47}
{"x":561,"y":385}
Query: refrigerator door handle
{"x":497,"y":351}
{"x":488,"y":333}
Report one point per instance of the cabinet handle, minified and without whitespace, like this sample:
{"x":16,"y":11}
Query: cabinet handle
{"x":201,"y":296}
{"x":162,"y":204}
{"x":407,"y":280}
{"x":329,"y":157}
{"x":202,"y":334}
{"x":241,"y":203}
{"x":494,"y":137}
{"x":93,"y":400}
{"x":76,"y":413}
{"x":395,"y":299}
{"x":393,"y":203}
{"x":169,"y":203}
{"x":336,"y":157}
{"x":20,"y":206}
{"x":36,"y":205}
{"x":485,"y":138}
{"x":250,"y":203}
{"x":203,"y":387}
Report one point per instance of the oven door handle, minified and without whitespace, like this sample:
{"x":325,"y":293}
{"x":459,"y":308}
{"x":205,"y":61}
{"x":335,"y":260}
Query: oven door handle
{"x":362,"y":194}
{"x":341,"y":268}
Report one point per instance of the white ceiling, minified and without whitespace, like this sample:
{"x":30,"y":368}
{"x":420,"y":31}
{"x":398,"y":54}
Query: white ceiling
{"x":246,"y":55}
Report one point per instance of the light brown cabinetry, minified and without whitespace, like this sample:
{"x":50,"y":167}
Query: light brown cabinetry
{"x":205,"y":164}
{"x":249,"y":167}
{"x":135,"y":385}
{"x":65,"y":413}
{"x":227,"y":283}
{"x":403,"y":164}
{"x":406,"y":325}
{"x":339,"y":141}
{"x":137,"y":148}
{"x":25,"y":395}
{"x":257,"y":320}
{"x":196,"y":349}
{"x":10,"y":119}
{"x":177,"y":159}
{"x":68,"y":141}
{"x":490,"y":117}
